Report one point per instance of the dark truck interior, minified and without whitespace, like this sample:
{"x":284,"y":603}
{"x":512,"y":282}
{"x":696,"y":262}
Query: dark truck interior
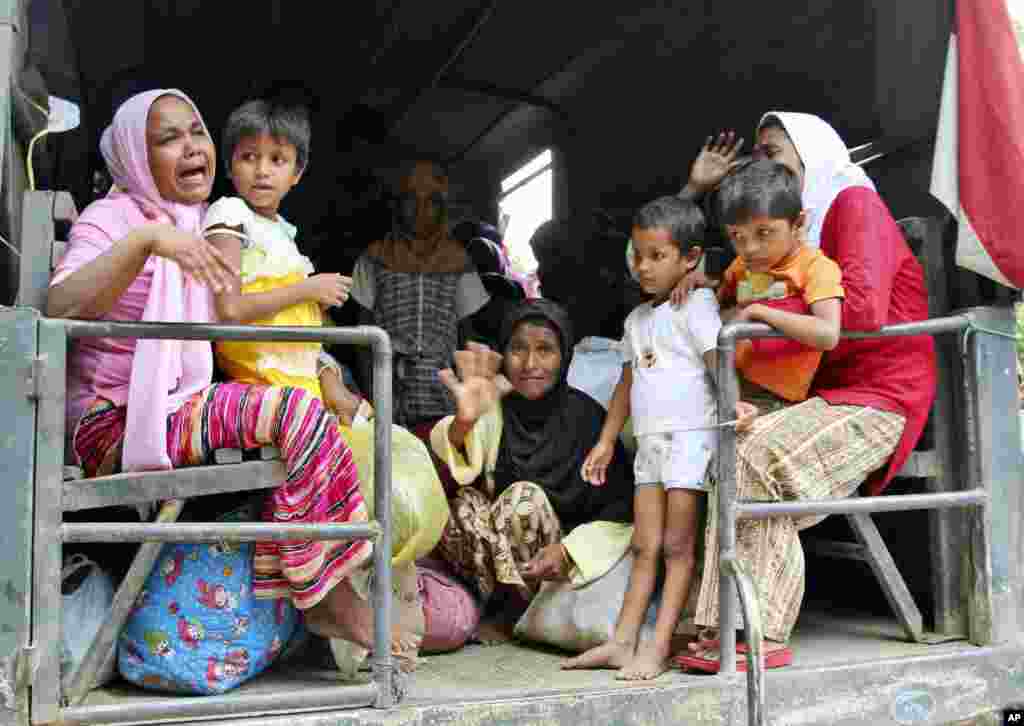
{"x":623,"y":93}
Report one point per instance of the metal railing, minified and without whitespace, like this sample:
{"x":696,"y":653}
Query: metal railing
{"x":382,"y":691}
{"x":730,"y":510}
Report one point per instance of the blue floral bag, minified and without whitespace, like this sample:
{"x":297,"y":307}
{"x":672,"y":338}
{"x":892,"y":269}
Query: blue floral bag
{"x":196,"y":627}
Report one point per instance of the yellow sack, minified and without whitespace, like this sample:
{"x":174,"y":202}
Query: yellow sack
{"x":419,"y":508}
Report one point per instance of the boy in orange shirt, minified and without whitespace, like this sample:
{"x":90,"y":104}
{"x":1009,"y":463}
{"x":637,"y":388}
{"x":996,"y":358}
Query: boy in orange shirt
{"x":779,"y":280}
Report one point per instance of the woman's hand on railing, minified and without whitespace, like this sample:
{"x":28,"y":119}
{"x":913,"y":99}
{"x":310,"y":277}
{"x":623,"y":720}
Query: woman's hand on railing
{"x":196,"y":257}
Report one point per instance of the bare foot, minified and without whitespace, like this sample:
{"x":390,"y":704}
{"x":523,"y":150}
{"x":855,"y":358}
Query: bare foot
{"x":649,"y":662}
{"x":495,"y":631}
{"x":613,"y":654}
{"x":344,"y":615}
{"x":410,"y":623}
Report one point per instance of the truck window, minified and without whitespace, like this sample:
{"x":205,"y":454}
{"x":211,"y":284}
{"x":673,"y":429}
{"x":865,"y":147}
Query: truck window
{"x":525,"y":204}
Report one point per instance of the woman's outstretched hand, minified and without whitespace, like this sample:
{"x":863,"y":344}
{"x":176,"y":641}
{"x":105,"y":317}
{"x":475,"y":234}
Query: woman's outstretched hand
{"x":478,"y":385}
{"x":196,"y":257}
{"x":714,"y":161}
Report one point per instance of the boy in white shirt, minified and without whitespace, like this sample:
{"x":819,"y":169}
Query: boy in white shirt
{"x":665,"y":385}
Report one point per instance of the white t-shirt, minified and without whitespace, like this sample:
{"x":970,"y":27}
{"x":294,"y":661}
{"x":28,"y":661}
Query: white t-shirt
{"x":665,"y":346}
{"x":268,"y":248}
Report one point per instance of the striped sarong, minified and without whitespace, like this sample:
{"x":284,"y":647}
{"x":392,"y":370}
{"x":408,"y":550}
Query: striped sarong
{"x":322,"y":485}
{"x":812,"y":450}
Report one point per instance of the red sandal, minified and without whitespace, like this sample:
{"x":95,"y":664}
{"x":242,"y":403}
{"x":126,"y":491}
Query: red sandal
{"x":773,"y":659}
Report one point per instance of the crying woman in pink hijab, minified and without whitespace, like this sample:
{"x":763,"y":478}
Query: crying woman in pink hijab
{"x":138,"y":254}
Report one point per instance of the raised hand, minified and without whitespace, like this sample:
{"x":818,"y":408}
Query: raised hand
{"x":478,"y":385}
{"x":196,"y":257}
{"x":714,"y":161}
{"x":329,"y":288}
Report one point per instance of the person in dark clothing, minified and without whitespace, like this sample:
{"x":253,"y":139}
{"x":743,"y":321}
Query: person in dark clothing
{"x":515,"y":446}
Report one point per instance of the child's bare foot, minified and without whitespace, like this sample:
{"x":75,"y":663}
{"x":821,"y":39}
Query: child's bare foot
{"x":649,"y":662}
{"x":613,"y":654}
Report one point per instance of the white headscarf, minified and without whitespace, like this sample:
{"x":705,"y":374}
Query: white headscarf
{"x":827,"y":166}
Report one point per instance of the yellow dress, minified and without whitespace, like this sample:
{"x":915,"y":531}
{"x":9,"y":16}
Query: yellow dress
{"x":270,"y":260}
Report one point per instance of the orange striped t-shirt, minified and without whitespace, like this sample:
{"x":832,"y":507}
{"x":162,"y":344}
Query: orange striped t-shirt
{"x":782,"y":366}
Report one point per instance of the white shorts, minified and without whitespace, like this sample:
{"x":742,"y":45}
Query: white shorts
{"x":674,"y":460}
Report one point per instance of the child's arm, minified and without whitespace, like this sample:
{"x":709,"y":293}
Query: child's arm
{"x":819,"y":330}
{"x":234,"y":306}
{"x":595,"y":466}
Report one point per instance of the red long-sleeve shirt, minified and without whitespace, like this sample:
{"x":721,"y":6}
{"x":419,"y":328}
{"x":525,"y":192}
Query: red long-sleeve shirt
{"x":884,"y":285}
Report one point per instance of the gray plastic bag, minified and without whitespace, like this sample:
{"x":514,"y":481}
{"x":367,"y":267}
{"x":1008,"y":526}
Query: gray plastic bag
{"x":83,"y":611}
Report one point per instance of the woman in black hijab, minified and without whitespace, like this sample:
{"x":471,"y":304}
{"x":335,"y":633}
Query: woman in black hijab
{"x":515,"y":446}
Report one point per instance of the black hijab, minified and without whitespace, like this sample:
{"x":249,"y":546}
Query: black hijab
{"x":545,"y":441}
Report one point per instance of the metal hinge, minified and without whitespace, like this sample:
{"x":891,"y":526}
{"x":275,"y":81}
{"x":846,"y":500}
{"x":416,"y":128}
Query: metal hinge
{"x":17,"y":672}
{"x":35,"y":378}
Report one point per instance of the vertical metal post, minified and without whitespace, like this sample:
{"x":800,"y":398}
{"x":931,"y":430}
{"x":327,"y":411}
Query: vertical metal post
{"x":382,"y":664}
{"x":46,"y":548}
{"x":976,"y":582}
{"x":728,"y":394}
{"x":755,"y":639}
{"x":18,"y":350}
{"x":994,"y":531}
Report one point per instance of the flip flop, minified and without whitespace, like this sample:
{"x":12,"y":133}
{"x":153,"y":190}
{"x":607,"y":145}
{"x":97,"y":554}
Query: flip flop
{"x":773,"y":659}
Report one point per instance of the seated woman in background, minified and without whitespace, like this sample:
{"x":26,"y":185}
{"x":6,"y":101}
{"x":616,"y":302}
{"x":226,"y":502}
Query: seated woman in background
{"x":419,"y":285}
{"x":868,"y":400}
{"x":515,"y":446}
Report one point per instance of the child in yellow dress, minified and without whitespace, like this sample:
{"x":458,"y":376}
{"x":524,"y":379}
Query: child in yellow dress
{"x":267,"y":149}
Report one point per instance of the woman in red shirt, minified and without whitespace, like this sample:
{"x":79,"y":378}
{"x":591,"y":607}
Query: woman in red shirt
{"x":869,"y":399}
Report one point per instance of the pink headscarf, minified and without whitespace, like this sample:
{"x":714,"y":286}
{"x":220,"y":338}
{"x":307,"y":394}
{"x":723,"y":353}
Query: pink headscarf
{"x":164,"y":373}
